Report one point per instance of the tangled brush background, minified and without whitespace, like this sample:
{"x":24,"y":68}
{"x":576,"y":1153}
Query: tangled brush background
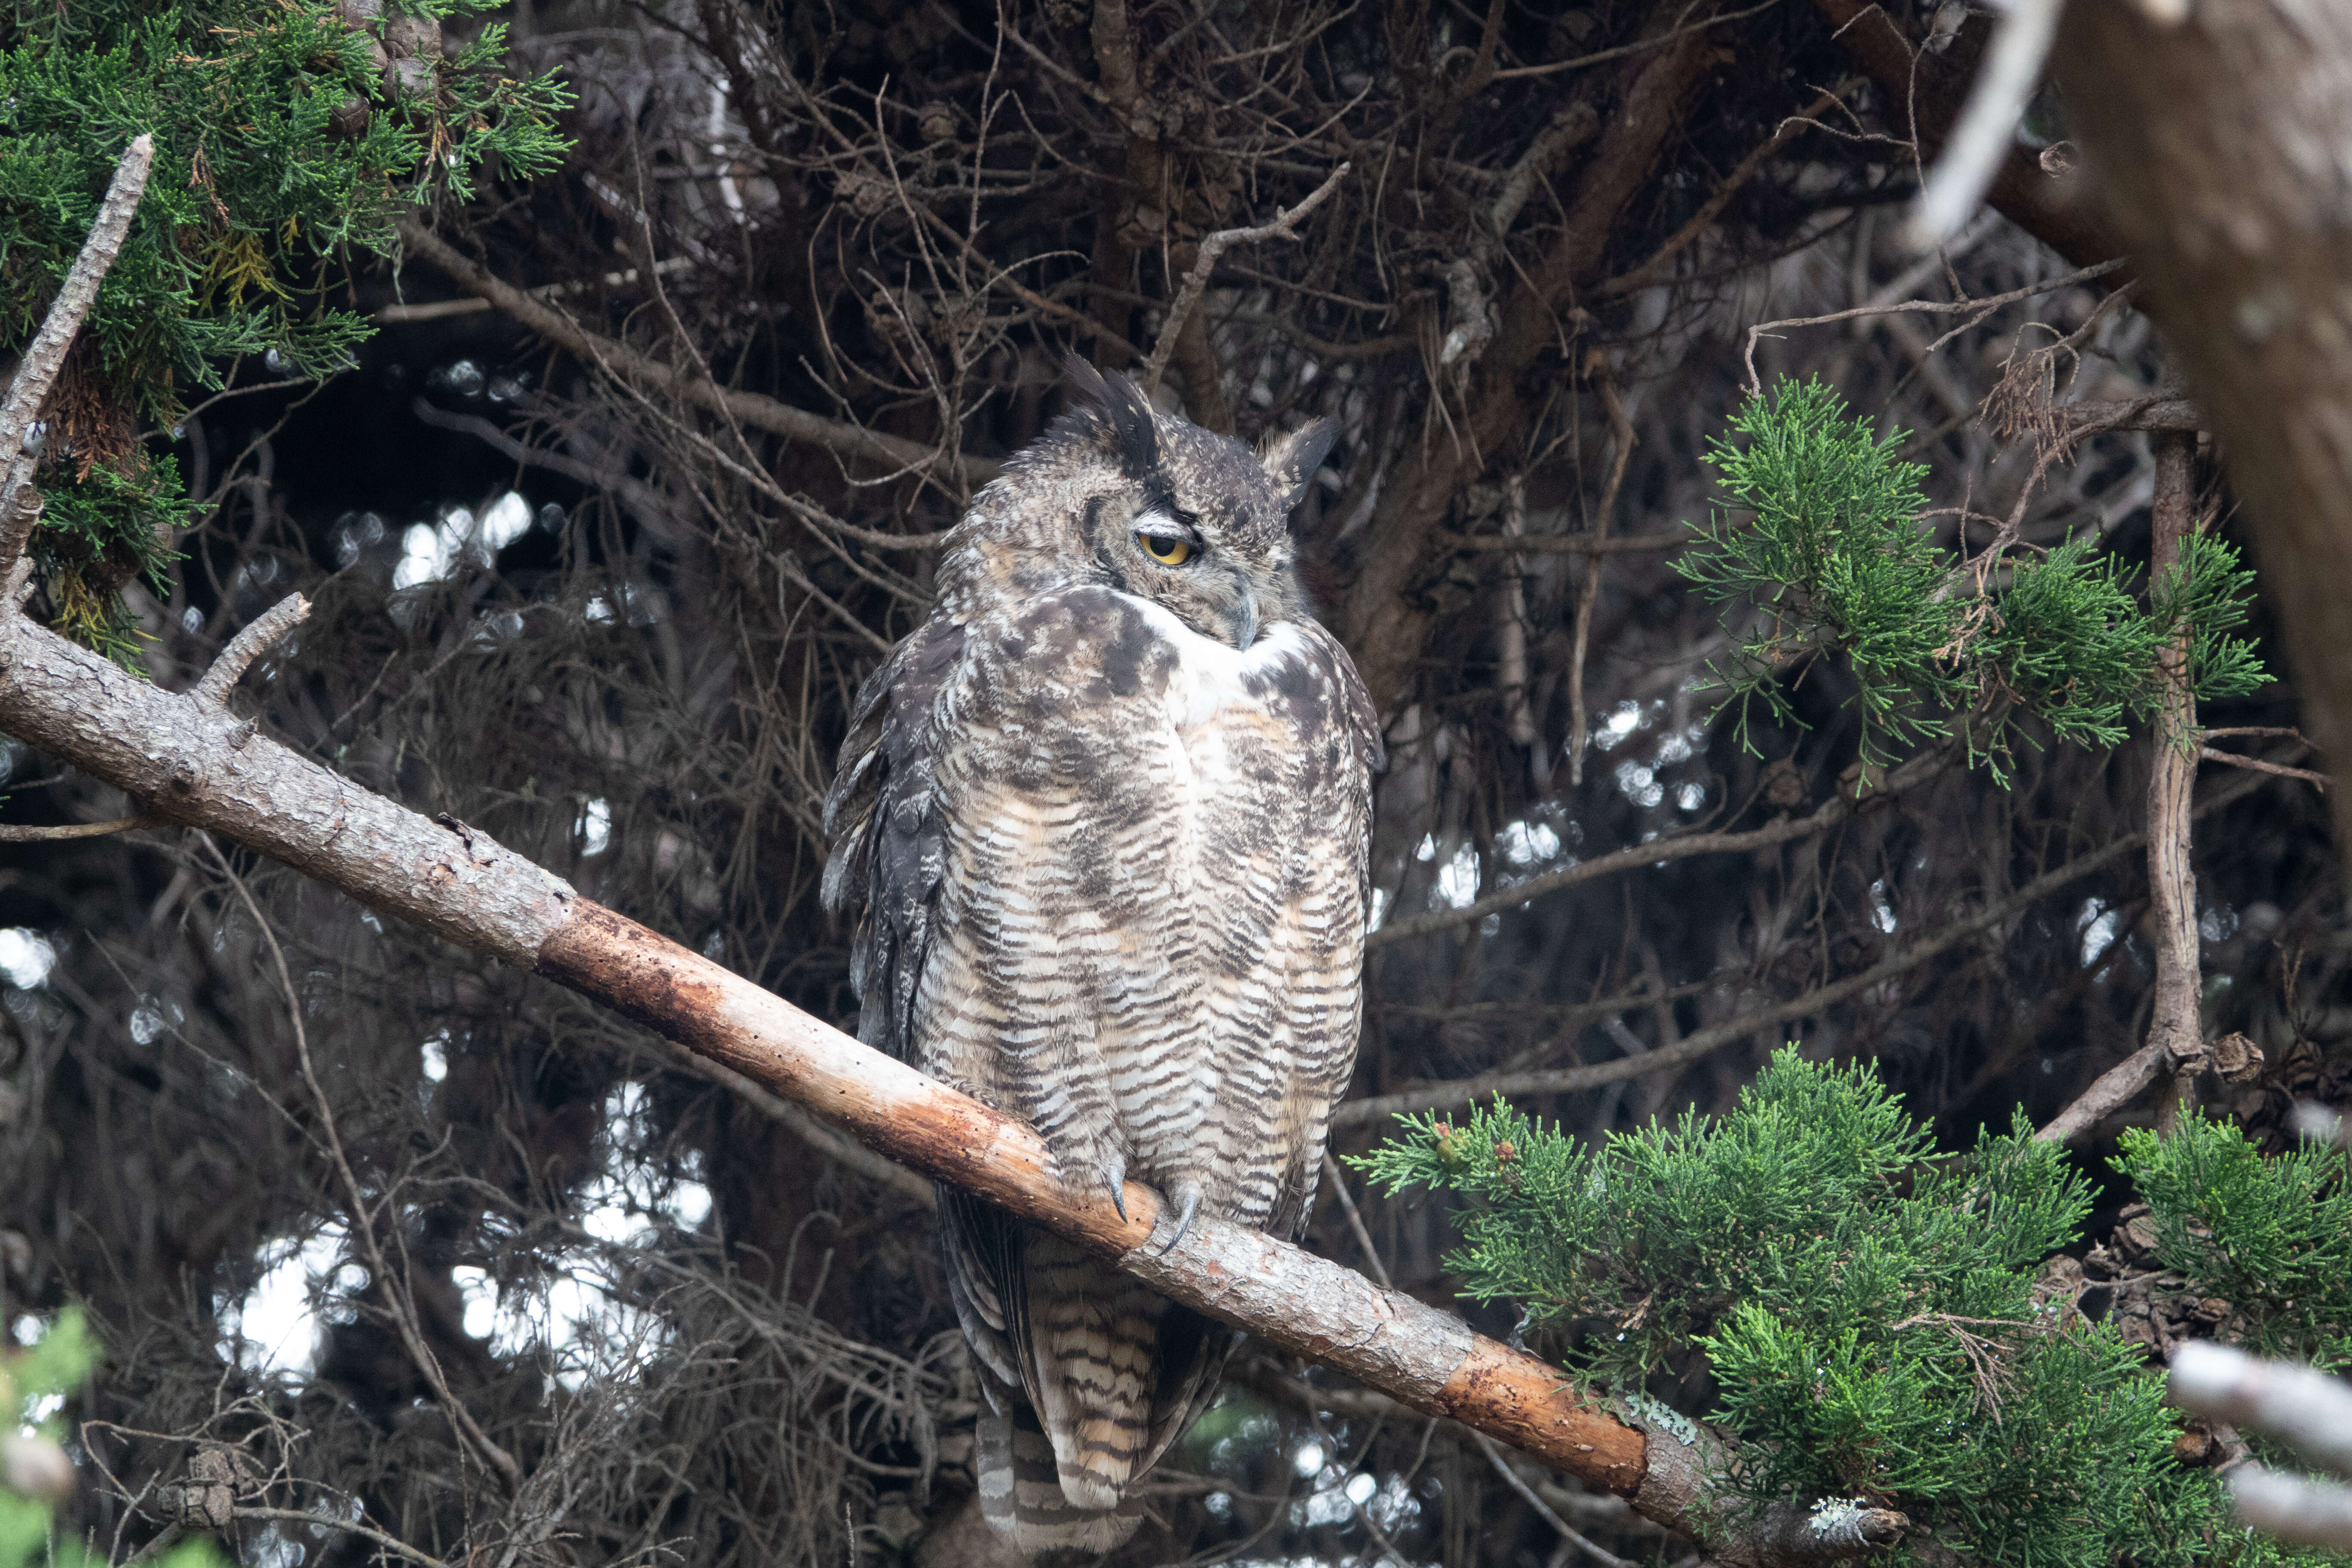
{"x":431,"y":1247}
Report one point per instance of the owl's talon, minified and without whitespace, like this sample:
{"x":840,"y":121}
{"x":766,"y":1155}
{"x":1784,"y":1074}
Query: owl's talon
{"x":1113,"y":1173}
{"x":1191,"y":1206}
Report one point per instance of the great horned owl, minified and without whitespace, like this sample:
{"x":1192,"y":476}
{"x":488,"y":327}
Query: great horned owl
{"x":1103,"y":823}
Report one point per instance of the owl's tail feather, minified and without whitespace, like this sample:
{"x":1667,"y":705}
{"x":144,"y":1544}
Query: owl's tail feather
{"x":1095,"y":1336}
{"x":1022,"y":1497}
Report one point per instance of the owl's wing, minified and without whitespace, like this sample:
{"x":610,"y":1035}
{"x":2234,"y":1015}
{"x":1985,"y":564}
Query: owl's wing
{"x":882,"y":817}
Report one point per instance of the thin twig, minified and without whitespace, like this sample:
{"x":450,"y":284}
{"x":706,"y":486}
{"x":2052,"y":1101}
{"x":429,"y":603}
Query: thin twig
{"x":38,"y":373}
{"x":1464,"y":1091}
{"x":439,"y":309}
{"x":1566,"y":1531}
{"x":2209,"y":754}
{"x":1575,"y":543}
{"x":1648,"y":272}
{"x":10,"y":834}
{"x":1598,"y":56}
{"x":1196,"y":281}
{"x":391,"y":1543}
{"x":623,"y":361}
{"x":1657,"y":853}
{"x":1588,"y":592}
{"x":1339,"y":1180}
{"x":362,"y":1217}
{"x":1511,"y":673}
{"x":1926,"y":307}
{"x":247,"y":646}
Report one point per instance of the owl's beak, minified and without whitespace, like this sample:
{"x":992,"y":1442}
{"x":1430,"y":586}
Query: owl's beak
{"x":1243,"y":625}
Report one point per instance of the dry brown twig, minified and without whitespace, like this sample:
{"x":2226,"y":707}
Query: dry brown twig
{"x":1976,"y":309}
{"x":1196,"y":280}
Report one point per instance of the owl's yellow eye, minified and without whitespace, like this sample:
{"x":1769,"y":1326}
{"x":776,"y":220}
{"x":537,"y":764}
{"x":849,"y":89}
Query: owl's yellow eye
{"x":1167,"y":551}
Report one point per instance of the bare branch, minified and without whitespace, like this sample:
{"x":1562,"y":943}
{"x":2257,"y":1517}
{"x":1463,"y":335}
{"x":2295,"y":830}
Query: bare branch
{"x":1592,"y":543}
{"x":1657,"y":852}
{"x":1654,"y":268}
{"x":1926,"y":307}
{"x":1566,"y":1531}
{"x":2303,"y":1407}
{"x":2210,"y":754}
{"x":1980,"y":140}
{"x":2293,"y":1508}
{"x":247,"y":646}
{"x":12,"y":834}
{"x":1464,"y":1091}
{"x":391,"y":1543}
{"x":2306,"y":1408}
{"x":620,"y":360}
{"x":2110,"y":1092}
{"x":38,"y":371}
{"x":1196,"y":281}
{"x":1588,"y":592}
{"x":441,"y":309}
{"x":363,"y":1215}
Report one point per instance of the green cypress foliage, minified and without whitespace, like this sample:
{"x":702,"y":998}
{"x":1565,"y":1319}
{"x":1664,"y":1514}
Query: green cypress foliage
{"x":2273,"y":1237}
{"x":283,"y":149}
{"x":1862,"y":1314}
{"x":1837,"y":564}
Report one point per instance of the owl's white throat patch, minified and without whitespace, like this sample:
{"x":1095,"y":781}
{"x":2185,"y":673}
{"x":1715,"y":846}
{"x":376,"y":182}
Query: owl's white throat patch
{"x":1209,"y":674}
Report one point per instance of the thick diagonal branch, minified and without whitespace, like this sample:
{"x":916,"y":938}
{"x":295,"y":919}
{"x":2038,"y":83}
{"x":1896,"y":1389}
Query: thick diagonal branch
{"x":193,"y":764}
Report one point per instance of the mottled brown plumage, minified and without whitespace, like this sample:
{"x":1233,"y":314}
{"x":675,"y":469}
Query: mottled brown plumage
{"x":1102,"y":821}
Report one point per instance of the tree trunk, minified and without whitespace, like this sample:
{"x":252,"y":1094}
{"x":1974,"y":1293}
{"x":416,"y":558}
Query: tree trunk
{"x":2219,"y":148}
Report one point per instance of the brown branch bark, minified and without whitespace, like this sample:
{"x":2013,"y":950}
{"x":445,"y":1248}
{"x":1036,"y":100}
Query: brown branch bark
{"x":36,"y":373}
{"x":2215,"y":144}
{"x":2177,"y":1027}
{"x":192,"y":763}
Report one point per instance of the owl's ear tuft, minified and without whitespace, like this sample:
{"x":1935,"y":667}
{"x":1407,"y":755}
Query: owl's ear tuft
{"x":1123,"y":410}
{"x":1291,"y":459}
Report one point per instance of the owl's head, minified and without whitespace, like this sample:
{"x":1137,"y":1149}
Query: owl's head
{"x":1150,"y":504}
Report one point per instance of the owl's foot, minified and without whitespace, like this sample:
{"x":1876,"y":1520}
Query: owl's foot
{"x":1187,"y":1204}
